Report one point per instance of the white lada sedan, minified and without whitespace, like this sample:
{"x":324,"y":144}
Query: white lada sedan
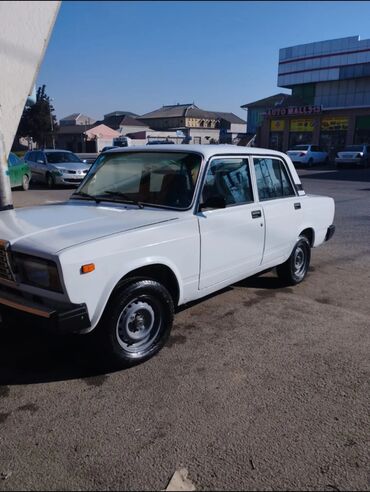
{"x":150,"y":229}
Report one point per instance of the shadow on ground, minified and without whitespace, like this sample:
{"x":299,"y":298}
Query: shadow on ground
{"x":362,"y":175}
{"x":30,"y":354}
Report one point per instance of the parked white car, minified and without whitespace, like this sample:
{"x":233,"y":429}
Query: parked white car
{"x":153,"y":228}
{"x":307,"y":155}
{"x":358,"y":155}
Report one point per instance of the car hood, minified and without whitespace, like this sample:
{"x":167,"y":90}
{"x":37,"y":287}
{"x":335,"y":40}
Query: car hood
{"x":52,"y":228}
{"x":73,"y":166}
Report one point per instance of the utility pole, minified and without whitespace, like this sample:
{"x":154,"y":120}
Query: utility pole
{"x":51,"y":124}
{"x":25,"y":29}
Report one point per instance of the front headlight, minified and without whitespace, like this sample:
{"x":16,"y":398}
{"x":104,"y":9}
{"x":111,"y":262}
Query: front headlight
{"x":37,"y":271}
{"x":60,"y":172}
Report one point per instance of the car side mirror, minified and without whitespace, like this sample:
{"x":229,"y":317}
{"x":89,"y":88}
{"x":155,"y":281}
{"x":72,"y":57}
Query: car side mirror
{"x":216,"y":201}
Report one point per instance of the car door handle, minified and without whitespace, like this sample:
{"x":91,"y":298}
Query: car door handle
{"x":256,"y":213}
{"x":297,"y":206}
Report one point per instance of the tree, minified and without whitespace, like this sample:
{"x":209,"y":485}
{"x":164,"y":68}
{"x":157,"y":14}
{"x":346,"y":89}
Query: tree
{"x":38,"y":121}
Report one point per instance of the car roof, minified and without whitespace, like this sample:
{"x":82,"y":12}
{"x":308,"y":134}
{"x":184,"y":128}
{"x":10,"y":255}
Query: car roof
{"x":206,"y":150}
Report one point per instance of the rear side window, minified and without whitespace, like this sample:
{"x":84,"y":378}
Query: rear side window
{"x":272,"y":179}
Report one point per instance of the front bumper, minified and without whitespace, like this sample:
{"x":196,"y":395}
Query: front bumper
{"x":69,"y":180}
{"x":356,"y":162}
{"x":330,"y":232}
{"x":66,"y":318}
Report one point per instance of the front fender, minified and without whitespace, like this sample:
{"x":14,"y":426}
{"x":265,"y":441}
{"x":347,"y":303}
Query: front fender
{"x":130,"y":267}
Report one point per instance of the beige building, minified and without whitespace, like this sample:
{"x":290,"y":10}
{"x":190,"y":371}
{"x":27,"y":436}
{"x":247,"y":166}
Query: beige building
{"x":198,"y":125}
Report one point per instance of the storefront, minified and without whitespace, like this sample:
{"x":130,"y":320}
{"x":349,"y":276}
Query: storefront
{"x":301,"y":131}
{"x":332,"y":130}
{"x":277,"y":128}
{"x":333,"y":134}
{"x":362,"y":131}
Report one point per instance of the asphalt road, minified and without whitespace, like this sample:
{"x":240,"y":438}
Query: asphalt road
{"x":260,"y":387}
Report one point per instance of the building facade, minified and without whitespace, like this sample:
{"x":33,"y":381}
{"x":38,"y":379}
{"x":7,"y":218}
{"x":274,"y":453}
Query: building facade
{"x":330,"y":101}
{"x":76,"y":119}
{"x":198,"y":125}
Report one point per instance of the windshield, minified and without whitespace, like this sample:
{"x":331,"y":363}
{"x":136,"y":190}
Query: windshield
{"x":165,"y":179}
{"x":301,"y":147}
{"x":354,"y":148}
{"x":61,"y":157}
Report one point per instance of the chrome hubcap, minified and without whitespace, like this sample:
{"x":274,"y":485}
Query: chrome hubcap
{"x":299,"y":261}
{"x":137,"y":326}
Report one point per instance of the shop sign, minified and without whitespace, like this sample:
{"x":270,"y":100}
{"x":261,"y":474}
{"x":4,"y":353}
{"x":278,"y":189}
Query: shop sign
{"x":277,"y":125}
{"x":334,"y":124}
{"x":302,"y":125}
{"x":294,"y":110}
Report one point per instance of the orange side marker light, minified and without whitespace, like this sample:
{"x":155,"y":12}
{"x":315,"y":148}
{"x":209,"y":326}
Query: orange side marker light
{"x":90,"y":267}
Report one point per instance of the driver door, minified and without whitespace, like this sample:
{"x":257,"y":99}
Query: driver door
{"x":232,"y":238}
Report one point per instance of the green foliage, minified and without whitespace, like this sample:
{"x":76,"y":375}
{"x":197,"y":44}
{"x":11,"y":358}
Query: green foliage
{"x":38,"y":121}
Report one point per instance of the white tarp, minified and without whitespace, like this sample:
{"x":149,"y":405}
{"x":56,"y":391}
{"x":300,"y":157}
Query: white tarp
{"x":25,"y":28}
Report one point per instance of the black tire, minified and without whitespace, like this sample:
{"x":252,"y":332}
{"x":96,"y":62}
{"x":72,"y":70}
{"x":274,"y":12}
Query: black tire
{"x":50,"y":181}
{"x":25,"y":182}
{"x":139,"y":305}
{"x":310,"y":162}
{"x":295,"y":269}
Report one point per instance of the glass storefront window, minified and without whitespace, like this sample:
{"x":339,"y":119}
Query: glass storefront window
{"x":362,"y":132}
{"x":276,"y":141}
{"x":333,"y":142}
{"x":296,"y":138}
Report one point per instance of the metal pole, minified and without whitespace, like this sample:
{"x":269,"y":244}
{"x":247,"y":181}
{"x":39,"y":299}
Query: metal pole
{"x":51,"y":124}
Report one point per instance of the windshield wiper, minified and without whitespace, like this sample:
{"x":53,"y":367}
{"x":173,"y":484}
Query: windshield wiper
{"x":125,"y":197}
{"x":87,"y":195}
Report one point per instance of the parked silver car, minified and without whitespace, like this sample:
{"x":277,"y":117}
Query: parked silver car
{"x":56,"y":167}
{"x":358,"y":155}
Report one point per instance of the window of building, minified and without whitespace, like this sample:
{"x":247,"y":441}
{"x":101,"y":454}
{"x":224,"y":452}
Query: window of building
{"x":229,"y":178}
{"x":272,"y":179}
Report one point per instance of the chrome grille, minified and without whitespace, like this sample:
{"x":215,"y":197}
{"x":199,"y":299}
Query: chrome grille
{"x":5,"y":270}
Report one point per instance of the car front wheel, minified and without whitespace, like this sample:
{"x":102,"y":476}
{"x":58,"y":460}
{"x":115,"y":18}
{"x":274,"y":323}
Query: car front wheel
{"x":295,"y":269}
{"x":25,"y":182}
{"x":50,"y":181}
{"x":136,"y":323}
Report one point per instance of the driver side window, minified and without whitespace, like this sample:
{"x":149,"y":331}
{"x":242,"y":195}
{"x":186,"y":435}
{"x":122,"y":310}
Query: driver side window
{"x":229,"y":179}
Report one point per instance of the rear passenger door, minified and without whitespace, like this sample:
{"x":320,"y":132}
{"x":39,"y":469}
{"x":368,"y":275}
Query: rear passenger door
{"x":281,"y":207}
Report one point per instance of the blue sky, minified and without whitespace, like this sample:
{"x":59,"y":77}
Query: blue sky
{"x":138,"y":56}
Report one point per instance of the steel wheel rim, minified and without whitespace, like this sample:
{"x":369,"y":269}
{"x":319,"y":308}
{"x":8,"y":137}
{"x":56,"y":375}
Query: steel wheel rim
{"x":138,"y":326}
{"x":299,"y":261}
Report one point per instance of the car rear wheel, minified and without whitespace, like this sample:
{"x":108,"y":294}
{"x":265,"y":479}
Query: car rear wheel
{"x":50,"y":181}
{"x":25,"y":182}
{"x":136,"y":323}
{"x":295,"y":269}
